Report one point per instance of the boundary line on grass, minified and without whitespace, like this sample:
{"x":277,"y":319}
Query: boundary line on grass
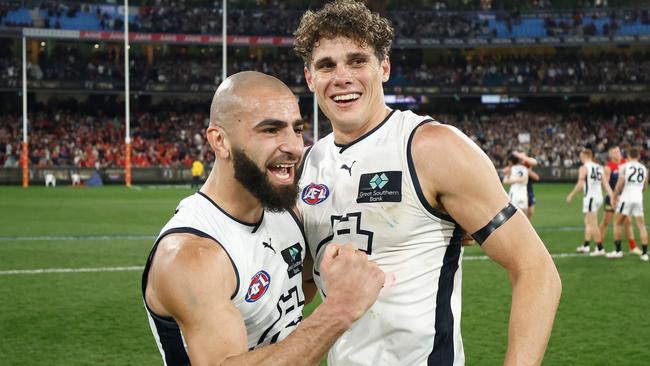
{"x":140,"y":268}
{"x":77,"y":238}
{"x":151,"y":237}
{"x":70,"y":270}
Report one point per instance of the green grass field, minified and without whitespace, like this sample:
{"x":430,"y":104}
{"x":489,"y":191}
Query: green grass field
{"x":97,"y":317}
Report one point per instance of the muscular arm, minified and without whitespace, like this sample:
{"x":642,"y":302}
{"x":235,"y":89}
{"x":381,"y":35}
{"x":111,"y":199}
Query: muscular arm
{"x":192,"y":280}
{"x":532,"y":175}
{"x":448,"y":164}
{"x":582,"y":177}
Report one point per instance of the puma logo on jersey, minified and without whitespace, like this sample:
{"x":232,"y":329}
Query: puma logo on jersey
{"x":348,"y":168}
{"x":268,"y":245}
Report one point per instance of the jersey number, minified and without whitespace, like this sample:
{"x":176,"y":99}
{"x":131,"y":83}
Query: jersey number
{"x":596,"y":174}
{"x":637,"y":175}
{"x":286,"y":304}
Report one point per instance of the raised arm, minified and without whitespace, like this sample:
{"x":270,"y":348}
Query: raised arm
{"x":192,"y":280}
{"x":582,"y":178}
{"x":448,"y":165}
{"x":531,"y":162}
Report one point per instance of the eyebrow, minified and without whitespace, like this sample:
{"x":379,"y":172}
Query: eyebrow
{"x":277,"y":123}
{"x":348,"y":56}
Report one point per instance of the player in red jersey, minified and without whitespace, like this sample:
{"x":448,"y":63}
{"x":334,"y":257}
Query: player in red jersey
{"x":611,"y":176}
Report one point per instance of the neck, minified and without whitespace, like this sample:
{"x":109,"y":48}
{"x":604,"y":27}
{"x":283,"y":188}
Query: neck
{"x":344,"y":137}
{"x":222,"y":187}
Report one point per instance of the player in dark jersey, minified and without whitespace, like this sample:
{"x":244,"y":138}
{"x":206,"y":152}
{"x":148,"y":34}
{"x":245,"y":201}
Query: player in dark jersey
{"x":611,"y":175}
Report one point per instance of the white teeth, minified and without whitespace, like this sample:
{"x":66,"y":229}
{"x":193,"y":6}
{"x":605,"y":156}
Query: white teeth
{"x":351,"y":96}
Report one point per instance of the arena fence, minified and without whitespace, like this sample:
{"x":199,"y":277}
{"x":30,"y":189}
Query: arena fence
{"x":167,"y":175}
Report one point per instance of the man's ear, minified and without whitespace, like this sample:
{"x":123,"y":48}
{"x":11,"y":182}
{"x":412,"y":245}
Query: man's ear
{"x":308,"y":78}
{"x":385,"y":68}
{"x":219,"y":141}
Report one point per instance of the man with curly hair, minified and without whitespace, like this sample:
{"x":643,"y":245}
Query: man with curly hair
{"x":403,"y":188}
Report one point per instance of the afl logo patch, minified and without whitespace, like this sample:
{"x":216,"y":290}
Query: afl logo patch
{"x":314,"y":194}
{"x":259,"y":284}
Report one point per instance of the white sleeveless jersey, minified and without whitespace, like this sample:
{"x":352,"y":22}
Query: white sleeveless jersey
{"x":519,"y":189}
{"x":594,"y":181}
{"x":635,"y":174}
{"x":367,"y":193}
{"x":267,"y":259}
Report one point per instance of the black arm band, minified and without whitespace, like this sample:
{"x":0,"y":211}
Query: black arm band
{"x":498,"y":220}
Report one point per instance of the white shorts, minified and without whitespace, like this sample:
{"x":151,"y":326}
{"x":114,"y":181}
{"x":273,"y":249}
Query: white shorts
{"x":629,"y":207}
{"x":519,"y":200}
{"x":591,"y":204}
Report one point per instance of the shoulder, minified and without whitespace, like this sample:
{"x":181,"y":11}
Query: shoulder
{"x":442,"y":139}
{"x":447,"y":157}
{"x":186,"y":260}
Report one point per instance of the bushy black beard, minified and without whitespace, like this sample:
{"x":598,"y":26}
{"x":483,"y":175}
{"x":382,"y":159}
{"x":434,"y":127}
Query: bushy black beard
{"x":274,"y":199}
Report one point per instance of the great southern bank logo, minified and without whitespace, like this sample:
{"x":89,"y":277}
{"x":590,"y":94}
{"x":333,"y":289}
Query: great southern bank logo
{"x":378,"y":181}
{"x":314,"y":194}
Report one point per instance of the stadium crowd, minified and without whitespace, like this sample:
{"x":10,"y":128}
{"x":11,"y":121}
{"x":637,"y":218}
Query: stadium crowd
{"x":168,"y":138}
{"x":71,"y":139}
{"x":554,"y":139}
{"x":66,"y":63}
{"x":276,"y":18}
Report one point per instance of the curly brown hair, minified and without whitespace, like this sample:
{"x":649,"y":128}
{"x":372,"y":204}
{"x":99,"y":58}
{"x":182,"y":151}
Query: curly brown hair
{"x":348,"y":18}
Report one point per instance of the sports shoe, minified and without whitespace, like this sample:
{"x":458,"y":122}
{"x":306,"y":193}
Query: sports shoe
{"x":597,"y":253}
{"x":636,"y":251}
{"x":614,"y":255}
{"x":644,"y":258}
{"x":582,"y":249}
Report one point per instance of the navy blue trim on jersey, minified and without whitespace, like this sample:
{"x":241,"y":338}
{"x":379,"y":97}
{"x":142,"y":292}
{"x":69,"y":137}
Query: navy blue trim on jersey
{"x":443,"y":342}
{"x":416,"y":183}
{"x":591,"y":201}
{"x":346,"y":146}
{"x":621,"y":209}
{"x":300,"y":225}
{"x":305,"y":155}
{"x":171,"y":341}
{"x":255,"y":225}
{"x":499,"y":219}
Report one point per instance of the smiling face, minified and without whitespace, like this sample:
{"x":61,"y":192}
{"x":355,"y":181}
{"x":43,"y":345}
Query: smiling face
{"x":347,"y":80}
{"x":256,"y":132}
{"x":268,"y":150}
